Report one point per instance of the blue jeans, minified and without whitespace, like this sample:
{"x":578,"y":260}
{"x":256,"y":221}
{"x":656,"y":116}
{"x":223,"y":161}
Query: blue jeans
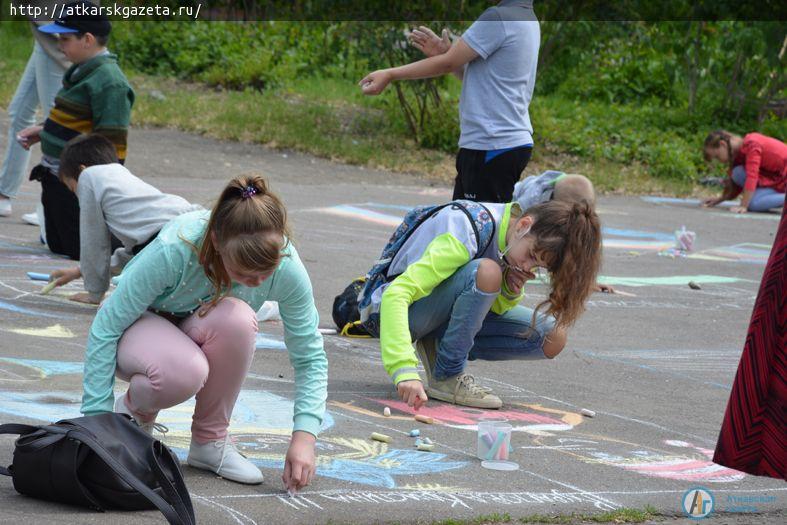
{"x":764,"y":198}
{"x":40,"y":82}
{"x":457,"y":314}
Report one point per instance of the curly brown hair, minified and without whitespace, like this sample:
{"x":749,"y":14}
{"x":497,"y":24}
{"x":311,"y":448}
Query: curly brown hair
{"x":568,"y":238}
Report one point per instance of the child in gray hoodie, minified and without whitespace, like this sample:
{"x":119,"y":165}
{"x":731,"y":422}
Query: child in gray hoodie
{"x":112,"y":202}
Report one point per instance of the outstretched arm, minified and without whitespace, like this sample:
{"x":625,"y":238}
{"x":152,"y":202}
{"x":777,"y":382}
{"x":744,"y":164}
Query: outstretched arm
{"x":438,"y":65}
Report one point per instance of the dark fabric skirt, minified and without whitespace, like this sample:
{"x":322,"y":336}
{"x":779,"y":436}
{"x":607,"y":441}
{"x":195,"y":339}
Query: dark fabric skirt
{"x":752,"y":437}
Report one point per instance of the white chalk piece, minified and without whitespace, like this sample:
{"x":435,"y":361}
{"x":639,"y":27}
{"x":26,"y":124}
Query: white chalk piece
{"x":48,"y":288}
{"x":387,"y":412}
{"x":500,"y":465}
{"x":327,"y":331}
{"x":428,"y":441}
{"x":624,"y":294}
{"x":588,"y":413}
{"x":415,"y":433}
{"x":424,"y":419}
{"x":34,"y":276}
{"x":423,"y":447}
{"x":380,"y":437}
{"x":291,"y":493}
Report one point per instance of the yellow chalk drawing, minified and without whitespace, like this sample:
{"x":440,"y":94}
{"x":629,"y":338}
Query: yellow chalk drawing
{"x":55,"y":331}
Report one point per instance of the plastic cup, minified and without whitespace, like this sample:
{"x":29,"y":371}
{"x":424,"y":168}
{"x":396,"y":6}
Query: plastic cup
{"x":494,"y":440}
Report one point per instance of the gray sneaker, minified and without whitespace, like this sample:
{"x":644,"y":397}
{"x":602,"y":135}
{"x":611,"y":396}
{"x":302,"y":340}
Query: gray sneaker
{"x":427,"y":353}
{"x":462,"y":389}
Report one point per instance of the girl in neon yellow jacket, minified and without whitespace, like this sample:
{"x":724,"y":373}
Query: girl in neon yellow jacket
{"x":459,"y":301}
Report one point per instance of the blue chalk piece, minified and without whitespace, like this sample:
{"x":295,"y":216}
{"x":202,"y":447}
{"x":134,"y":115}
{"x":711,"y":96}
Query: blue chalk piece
{"x":415,"y":433}
{"x":418,"y":442}
{"x":38,"y":276}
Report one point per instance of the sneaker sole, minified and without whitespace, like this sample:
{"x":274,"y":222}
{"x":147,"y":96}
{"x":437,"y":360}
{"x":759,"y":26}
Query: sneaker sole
{"x":204,"y":466}
{"x":473,"y":403}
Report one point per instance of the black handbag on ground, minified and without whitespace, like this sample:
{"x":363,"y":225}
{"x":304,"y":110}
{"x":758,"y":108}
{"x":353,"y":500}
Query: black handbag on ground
{"x":102,"y":462}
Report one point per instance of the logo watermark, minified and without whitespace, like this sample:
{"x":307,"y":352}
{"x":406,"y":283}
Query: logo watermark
{"x":699,"y":502}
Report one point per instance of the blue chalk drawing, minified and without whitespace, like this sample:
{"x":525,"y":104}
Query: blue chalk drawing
{"x":377,"y":472}
{"x":255,"y":410}
{"x":617,"y":232}
{"x":269,"y":341}
{"x":675,"y":200}
{"x":53,"y":406}
{"x":380,"y":471}
{"x":46,"y":367}
{"x":388,"y":206}
{"x":27,"y":311}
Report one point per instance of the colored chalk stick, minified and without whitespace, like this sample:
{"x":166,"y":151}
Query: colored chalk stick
{"x":587,"y":412}
{"x":380,"y":437}
{"x":415,"y":433}
{"x":387,"y":412}
{"x":423,"y":447}
{"x":424,"y":419}
{"x":48,"y":288}
{"x":34,"y":276}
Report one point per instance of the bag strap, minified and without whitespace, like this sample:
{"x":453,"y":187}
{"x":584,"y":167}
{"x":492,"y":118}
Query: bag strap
{"x":15,"y":428}
{"x":177,"y":492}
{"x":176,"y":515}
{"x":477,"y":233}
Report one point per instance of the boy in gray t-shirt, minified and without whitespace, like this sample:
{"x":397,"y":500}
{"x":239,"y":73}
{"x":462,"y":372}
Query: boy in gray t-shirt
{"x":496,"y":59}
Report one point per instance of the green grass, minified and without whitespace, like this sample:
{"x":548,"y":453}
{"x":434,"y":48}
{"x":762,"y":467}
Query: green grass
{"x":331,"y":119}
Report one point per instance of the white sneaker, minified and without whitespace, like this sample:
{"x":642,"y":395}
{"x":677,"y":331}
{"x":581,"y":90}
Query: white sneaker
{"x":121,"y":408}
{"x":222,"y":458}
{"x":31,"y":218}
{"x":5,"y":207}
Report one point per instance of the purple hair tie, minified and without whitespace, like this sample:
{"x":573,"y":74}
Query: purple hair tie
{"x":248,"y":191}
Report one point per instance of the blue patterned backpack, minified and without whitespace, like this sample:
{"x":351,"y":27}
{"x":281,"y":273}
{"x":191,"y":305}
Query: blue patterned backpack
{"x":483,"y":228}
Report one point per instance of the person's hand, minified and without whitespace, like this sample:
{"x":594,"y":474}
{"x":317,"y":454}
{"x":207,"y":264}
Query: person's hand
{"x":710,"y":202}
{"x":739,"y":209}
{"x":374,"y":83}
{"x":65,"y":276}
{"x":300,"y":464}
{"x":83,"y":297}
{"x":412,"y":392}
{"x":425,"y":40}
{"x":604,"y":288}
{"x":29,"y":136}
{"x":515,"y":279}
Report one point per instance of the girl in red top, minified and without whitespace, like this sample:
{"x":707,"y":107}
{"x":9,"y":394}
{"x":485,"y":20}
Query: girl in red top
{"x":758,"y":168}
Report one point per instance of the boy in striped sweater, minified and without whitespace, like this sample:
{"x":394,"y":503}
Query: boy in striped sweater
{"x":95,"y":97}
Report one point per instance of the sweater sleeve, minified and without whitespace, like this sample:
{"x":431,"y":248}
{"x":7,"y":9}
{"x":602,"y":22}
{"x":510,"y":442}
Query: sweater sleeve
{"x":95,"y":244}
{"x":150,"y":275}
{"x":441,"y":259}
{"x":502,"y":304}
{"x":293,"y":290}
{"x":753,"y":161}
{"x":111,"y":106}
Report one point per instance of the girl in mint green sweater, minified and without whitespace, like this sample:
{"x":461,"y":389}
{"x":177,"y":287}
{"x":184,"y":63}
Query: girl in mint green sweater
{"x":182,"y":323}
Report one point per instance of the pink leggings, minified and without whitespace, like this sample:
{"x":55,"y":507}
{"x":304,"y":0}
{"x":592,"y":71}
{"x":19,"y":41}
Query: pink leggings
{"x":208,"y":356}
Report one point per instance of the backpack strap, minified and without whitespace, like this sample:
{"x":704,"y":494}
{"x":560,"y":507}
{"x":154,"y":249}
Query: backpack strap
{"x":482,"y":243}
{"x":177,"y":512}
{"x":15,"y":428}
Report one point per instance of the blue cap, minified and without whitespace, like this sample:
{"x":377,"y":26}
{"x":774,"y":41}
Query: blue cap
{"x":56,"y":28}
{"x":80,"y":16}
